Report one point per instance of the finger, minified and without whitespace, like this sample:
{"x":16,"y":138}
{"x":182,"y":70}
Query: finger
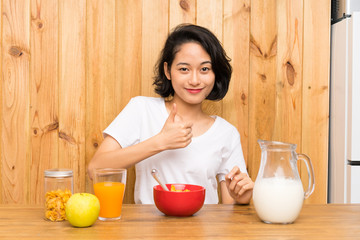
{"x":237,"y":189}
{"x":228,"y":182}
{"x":233,"y":172}
{"x":188,"y":125}
{"x":188,"y":132}
{"x":229,"y":179}
{"x":245,"y":188}
{"x":245,"y":185}
{"x":187,"y":135}
{"x":237,"y":180}
{"x":172,"y":113}
{"x":186,"y":141}
{"x":178,"y":118}
{"x":240,"y":185}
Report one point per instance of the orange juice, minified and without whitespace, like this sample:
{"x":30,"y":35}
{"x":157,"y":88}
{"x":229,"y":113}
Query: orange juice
{"x":110,"y":195}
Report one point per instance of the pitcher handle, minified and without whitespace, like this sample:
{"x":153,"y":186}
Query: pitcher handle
{"x":310,"y":171}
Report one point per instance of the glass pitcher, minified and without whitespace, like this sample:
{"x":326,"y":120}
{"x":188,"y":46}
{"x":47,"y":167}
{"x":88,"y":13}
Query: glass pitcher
{"x":278,"y":193}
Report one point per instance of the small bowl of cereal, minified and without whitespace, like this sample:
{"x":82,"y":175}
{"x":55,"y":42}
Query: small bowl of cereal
{"x":182,"y":200}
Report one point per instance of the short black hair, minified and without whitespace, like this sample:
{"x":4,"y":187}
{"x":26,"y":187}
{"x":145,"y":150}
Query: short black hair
{"x":220,"y":62}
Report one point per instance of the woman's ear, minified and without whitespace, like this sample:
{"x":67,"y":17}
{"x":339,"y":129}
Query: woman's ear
{"x":166,"y":71}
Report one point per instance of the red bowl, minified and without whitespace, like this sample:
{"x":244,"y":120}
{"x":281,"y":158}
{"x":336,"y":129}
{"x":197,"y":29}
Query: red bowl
{"x":180,"y":204}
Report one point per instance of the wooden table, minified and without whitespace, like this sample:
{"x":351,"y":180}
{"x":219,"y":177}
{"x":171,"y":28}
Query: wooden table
{"x":211,"y":222}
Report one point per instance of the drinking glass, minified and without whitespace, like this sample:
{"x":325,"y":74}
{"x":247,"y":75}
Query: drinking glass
{"x":109,"y":188}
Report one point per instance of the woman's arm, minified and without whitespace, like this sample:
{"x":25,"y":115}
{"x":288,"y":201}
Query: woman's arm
{"x":174,"y":134}
{"x":111,"y":155}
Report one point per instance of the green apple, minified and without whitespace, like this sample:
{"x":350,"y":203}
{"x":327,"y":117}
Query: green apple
{"x":82,"y":209}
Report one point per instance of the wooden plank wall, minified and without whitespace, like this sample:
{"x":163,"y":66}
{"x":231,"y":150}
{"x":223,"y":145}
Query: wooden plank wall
{"x":69,"y":67}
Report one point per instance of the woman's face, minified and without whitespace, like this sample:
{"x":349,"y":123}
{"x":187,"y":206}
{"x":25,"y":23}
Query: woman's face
{"x":191,"y":73}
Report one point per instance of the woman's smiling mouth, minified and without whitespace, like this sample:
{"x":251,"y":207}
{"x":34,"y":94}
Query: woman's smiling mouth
{"x":190,"y":90}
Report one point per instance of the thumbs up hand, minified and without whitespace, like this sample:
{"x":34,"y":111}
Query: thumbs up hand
{"x":175,"y":133}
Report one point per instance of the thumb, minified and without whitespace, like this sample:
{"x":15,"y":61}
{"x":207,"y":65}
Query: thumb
{"x":172,"y":113}
{"x":231,"y":174}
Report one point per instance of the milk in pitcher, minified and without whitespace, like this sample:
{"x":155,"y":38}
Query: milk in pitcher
{"x":278,"y":199}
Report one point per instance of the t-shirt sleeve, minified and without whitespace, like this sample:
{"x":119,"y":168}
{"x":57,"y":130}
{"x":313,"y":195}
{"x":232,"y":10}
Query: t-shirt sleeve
{"x":125,"y":128}
{"x":232,"y":156}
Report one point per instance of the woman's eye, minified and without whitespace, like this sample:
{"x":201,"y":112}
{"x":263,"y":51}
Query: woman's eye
{"x":205,"y":69}
{"x":183,"y":69}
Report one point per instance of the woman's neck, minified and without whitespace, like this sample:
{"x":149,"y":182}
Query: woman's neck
{"x":188,"y":112}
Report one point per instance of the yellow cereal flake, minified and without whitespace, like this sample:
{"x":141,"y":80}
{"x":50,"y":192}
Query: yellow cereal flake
{"x":173,"y":189}
{"x":55,"y":204}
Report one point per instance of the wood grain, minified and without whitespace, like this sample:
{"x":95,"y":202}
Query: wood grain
{"x":182,"y":11}
{"x":72,"y":89}
{"x":315,"y":117}
{"x":1,"y":96}
{"x":211,"y":222}
{"x":262,"y":100}
{"x":69,"y":67}
{"x":128,"y":61}
{"x":155,"y":28}
{"x":288,"y":107}
{"x":289,"y":87}
{"x":236,"y":39}
{"x":44,"y":94}
{"x":15,"y":135}
{"x":100,"y":73}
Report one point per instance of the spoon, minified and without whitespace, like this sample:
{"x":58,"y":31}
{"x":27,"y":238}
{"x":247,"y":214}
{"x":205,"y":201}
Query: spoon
{"x":154,"y":173}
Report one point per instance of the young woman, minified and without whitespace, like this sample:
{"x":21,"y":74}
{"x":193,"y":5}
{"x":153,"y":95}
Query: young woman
{"x":172,"y":133}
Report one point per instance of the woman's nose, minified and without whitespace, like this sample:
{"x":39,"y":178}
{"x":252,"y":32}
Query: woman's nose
{"x":194,"y":79}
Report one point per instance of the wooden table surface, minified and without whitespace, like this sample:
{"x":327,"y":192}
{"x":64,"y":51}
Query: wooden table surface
{"x":211,"y":222}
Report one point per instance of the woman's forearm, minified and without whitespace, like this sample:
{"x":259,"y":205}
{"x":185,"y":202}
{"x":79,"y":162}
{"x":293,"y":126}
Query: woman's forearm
{"x":174,"y":134}
{"x":108,"y":157}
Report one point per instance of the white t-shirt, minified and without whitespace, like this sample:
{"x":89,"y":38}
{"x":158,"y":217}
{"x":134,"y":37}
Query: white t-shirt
{"x":213,"y":153}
